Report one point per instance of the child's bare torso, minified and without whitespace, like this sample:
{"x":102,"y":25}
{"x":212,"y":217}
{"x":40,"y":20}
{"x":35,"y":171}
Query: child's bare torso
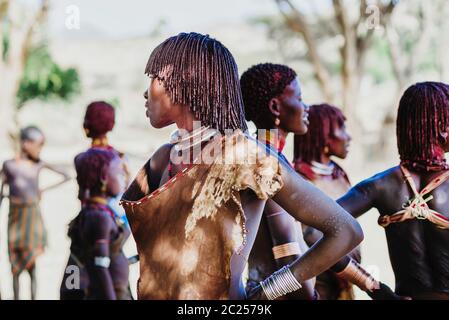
{"x":22,"y":178}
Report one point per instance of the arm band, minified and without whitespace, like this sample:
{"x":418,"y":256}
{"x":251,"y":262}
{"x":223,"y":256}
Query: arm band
{"x":102,"y":262}
{"x":286,"y":249}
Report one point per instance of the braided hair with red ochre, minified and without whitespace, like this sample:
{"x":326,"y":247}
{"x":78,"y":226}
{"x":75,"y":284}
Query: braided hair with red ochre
{"x":423,"y":114}
{"x":260,"y":84}
{"x":201,"y":73}
{"x":99,"y":119}
{"x":91,"y":170}
{"x":324,"y":119}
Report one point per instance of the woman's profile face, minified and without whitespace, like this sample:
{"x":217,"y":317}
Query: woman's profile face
{"x":293,"y":113}
{"x":159,"y":108}
{"x":339,"y":142}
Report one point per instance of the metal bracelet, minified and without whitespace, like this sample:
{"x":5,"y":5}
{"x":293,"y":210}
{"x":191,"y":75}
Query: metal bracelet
{"x":280,"y":283}
{"x":354,"y":273}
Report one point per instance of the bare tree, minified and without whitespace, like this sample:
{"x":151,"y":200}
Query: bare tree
{"x":357,"y":39}
{"x":16,"y":34}
{"x":410,"y":45}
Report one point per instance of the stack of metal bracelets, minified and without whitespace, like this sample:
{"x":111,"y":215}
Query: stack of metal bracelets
{"x":280,"y":283}
{"x":354,"y":273}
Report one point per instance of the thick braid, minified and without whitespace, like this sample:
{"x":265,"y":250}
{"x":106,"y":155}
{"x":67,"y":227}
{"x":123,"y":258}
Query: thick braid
{"x":324,"y":119}
{"x":260,"y":84}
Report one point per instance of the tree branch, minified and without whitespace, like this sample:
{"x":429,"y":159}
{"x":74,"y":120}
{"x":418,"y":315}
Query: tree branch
{"x":362,"y":13}
{"x":395,"y":56}
{"x":363,"y":42}
{"x":347,"y":50}
{"x":21,"y":41}
{"x":296,"y":21}
{"x":425,"y":21}
{"x":40,"y":16}
{"x":4,"y":4}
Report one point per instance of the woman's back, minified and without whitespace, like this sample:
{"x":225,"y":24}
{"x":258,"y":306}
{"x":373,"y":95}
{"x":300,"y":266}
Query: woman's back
{"x":417,"y":247}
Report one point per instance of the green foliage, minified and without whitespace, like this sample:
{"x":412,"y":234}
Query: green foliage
{"x":378,"y":64}
{"x":43,"y":79}
{"x":4,"y":40}
{"x":5,"y":47}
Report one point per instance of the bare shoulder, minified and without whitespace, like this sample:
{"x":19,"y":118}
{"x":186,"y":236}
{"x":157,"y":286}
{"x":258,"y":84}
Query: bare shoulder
{"x":387,"y":176}
{"x":380,"y":184}
{"x":160,"y":157}
{"x":8,"y":166}
{"x":155,"y":165}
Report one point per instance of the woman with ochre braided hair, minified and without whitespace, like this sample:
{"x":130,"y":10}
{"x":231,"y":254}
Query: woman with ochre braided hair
{"x":327,"y":138}
{"x":314,"y":151}
{"x":273,"y":101}
{"x":97,"y":234}
{"x":413,"y":197}
{"x":98,"y":121}
{"x":195,"y":206}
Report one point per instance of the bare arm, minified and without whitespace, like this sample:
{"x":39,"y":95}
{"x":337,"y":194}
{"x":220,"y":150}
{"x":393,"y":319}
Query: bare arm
{"x":65,"y":176}
{"x":312,"y":235}
{"x":3,"y":182}
{"x":357,"y":201}
{"x":101,"y":230}
{"x":309,"y":205}
{"x":284,"y":230}
{"x":360,"y":198}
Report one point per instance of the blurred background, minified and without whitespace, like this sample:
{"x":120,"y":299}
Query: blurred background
{"x":56,"y":56}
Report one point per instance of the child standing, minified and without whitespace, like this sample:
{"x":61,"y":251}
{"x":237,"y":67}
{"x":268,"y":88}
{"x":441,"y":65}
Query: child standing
{"x":27,"y":237}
